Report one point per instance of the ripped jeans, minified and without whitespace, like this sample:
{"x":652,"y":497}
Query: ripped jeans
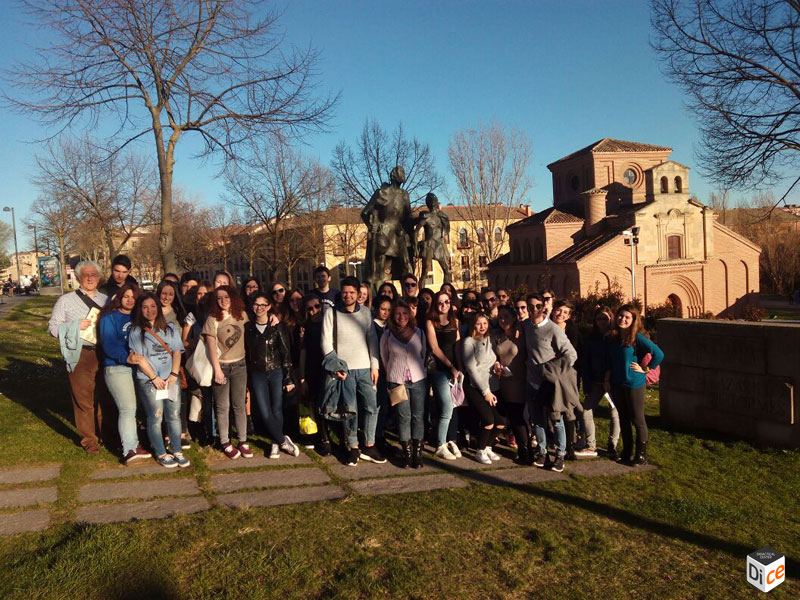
{"x":156,"y":411}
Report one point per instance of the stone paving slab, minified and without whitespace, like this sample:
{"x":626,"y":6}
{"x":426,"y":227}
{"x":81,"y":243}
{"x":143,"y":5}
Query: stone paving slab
{"x":402,"y":485}
{"x":282,"y":496}
{"x":43,"y":473}
{"x":231,"y":482}
{"x":155,"y":509}
{"x":20,"y":522}
{"x":468,"y":463}
{"x":28,"y":497}
{"x":603,"y":467}
{"x":145,"y":467}
{"x":95,"y":492}
{"x":516,"y":476}
{"x":259,"y":460}
{"x":369,"y":470}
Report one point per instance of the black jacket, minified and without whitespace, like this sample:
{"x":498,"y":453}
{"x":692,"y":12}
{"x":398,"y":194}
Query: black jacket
{"x":269,"y":350}
{"x":110,"y":287}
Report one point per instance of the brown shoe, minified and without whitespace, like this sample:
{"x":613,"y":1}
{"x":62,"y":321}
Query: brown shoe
{"x":93,"y":450}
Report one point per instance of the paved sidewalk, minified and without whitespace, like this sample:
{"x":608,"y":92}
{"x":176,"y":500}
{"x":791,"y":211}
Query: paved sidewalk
{"x":148,"y":491}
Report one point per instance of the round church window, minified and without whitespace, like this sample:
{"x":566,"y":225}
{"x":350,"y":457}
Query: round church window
{"x":629,"y":176}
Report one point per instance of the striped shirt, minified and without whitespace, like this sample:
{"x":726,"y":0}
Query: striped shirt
{"x":70,"y":307}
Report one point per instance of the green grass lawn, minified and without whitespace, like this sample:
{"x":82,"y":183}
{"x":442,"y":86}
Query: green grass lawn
{"x":682,"y":531}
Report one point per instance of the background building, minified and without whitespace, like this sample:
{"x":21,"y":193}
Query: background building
{"x":683,"y":256}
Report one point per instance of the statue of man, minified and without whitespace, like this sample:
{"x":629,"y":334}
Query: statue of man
{"x":389,"y":230}
{"x":436,"y":225}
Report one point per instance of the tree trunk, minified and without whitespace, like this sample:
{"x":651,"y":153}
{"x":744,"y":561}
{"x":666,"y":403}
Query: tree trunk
{"x":62,"y":261}
{"x":166,"y":164}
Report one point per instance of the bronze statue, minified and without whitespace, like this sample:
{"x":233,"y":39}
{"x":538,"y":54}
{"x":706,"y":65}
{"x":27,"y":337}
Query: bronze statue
{"x":436,"y":225}
{"x":389,"y":230}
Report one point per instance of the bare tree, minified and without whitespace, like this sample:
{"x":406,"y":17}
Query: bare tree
{"x":739,"y":63}
{"x":361,"y":170}
{"x":111,"y":194}
{"x":275,"y":185}
{"x":165,"y":68}
{"x":490,"y":167}
{"x":54,"y":219}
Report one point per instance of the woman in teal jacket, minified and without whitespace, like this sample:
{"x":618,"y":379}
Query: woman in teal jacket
{"x":626,"y":378}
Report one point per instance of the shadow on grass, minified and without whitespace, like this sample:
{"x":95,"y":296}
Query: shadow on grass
{"x":620,"y":515}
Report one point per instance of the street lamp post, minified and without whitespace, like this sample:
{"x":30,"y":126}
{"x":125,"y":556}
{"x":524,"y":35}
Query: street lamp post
{"x":355,"y":264}
{"x":632,"y":240}
{"x":14,"y":228}
{"x":36,"y":251}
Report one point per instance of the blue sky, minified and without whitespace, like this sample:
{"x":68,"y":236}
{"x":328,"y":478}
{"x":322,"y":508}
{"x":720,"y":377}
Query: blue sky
{"x":565,"y":73}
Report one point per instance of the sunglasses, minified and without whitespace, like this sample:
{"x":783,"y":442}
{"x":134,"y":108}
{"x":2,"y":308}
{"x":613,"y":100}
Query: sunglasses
{"x":491,"y":299}
{"x":312,"y":307}
{"x":537,"y":306}
{"x":410,"y":284}
{"x":444,"y":302}
{"x":522,"y":309}
{"x":278,"y":290}
{"x":546,"y":298}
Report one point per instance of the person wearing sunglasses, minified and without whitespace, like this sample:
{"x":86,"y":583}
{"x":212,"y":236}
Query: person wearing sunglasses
{"x":549,"y":298}
{"x":410,"y":286}
{"x":278,"y":293}
{"x":503,"y":297}
{"x":269,"y":367}
{"x":521,"y":308}
{"x":545,"y":342}
{"x":311,"y":372}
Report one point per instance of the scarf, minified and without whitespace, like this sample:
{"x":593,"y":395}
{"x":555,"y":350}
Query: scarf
{"x":405,"y":334}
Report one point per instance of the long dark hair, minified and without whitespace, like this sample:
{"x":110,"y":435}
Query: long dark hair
{"x":138,"y":320}
{"x":116,"y":301}
{"x":177,"y":303}
{"x":433,"y":311}
{"x":237,"y":305}
{"x":627,"y":337}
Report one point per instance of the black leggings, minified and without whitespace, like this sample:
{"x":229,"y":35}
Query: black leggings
{"x":630,"y":404}
{"x":514,"y":412}
{"x":489,"y":415}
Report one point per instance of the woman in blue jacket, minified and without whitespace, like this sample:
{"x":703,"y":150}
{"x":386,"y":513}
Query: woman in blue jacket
{"x":118,"y":368}
{"x":625,"y":376}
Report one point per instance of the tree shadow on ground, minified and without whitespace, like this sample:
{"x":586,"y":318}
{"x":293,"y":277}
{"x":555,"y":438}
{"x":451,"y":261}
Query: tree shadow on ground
{"x":626,"y":517}
{"x":42,"y":388}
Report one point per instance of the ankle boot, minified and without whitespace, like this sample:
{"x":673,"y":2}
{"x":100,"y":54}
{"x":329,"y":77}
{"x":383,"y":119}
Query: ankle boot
{"x":405,"y":454}
{"x":641,"y":454}
{"x":612,"y":451}
{"x":416,"y":454}
{"x":523,"y":454}
{"x":569,"y":426}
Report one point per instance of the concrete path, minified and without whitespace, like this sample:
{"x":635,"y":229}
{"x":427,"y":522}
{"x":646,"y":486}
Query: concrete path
{"x":148,"y":491}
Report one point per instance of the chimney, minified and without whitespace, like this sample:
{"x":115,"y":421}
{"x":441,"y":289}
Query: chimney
{"x":594,"y":210}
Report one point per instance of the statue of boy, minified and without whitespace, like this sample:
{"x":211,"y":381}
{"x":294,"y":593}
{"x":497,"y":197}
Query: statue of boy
{"x":389,"y":230}
{"x":436,"y":225}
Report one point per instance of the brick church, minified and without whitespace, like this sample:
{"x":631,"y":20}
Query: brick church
{"x":612,"y":192}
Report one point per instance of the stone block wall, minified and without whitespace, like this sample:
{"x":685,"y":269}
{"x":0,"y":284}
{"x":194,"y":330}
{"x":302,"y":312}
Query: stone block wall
{"x":734,"y":378}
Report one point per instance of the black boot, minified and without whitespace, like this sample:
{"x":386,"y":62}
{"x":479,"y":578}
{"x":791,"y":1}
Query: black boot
{"x":405,"y":454}
{"x":523,"y":454}
{"x":416,"y":454}
{"x":612,"y":451}
{"x":641,"y":454}
{"x":569,"y":427}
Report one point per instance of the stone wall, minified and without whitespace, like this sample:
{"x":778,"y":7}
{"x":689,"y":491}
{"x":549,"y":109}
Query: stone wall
{"x":735,"y":378}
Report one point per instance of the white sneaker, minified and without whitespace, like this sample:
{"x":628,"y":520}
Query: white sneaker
{"x":274,"y":451}
{"x":444,"y":452}
{"x":483,"y":457}
{"x":453,"y":447}
{"x":492,"y":454}
{"x":289,"y":446}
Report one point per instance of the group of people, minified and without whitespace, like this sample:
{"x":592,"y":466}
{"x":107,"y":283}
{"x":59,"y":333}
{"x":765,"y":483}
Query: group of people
{"x":456,"y":371}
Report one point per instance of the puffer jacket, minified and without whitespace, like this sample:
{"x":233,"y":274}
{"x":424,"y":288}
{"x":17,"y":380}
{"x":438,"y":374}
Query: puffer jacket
{"x":269,"y":350}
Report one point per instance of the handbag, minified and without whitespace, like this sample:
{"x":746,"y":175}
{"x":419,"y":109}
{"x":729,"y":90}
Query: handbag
{"x":398,"y":394}
{"x":306,"y":423}
{"x":198,"y":365}
{"x":457,"y":390}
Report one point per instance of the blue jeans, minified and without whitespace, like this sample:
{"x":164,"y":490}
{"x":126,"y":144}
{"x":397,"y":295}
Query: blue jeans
{"x":119,"y":380}
{"x":156,"y":410}
{"x":410,"y":414}
{"x":440,"y":382}
{"x":266,"y":388}
{"x":538,"y":401}
{"x":367,"y":407}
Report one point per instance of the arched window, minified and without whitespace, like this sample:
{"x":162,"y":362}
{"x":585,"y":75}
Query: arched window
{"x":526,"y":252}
{"x":538,"y":251}
{"x":463,"y":239}
{"x":674,"y":247}
{"x":515,"y":256}
{"x":678,"y":185}
{"x":481,"y":235}
{"x":498,"y":235}
{"x":664,"y":185}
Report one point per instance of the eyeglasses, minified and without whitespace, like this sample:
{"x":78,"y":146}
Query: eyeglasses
{"x":260,"y":305}
{"x":90,"y":276}
{"x":410,"y":284}
{"x":278,"y":290}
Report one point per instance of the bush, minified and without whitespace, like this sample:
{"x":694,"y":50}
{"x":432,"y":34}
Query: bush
{"x":753,"y":313}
